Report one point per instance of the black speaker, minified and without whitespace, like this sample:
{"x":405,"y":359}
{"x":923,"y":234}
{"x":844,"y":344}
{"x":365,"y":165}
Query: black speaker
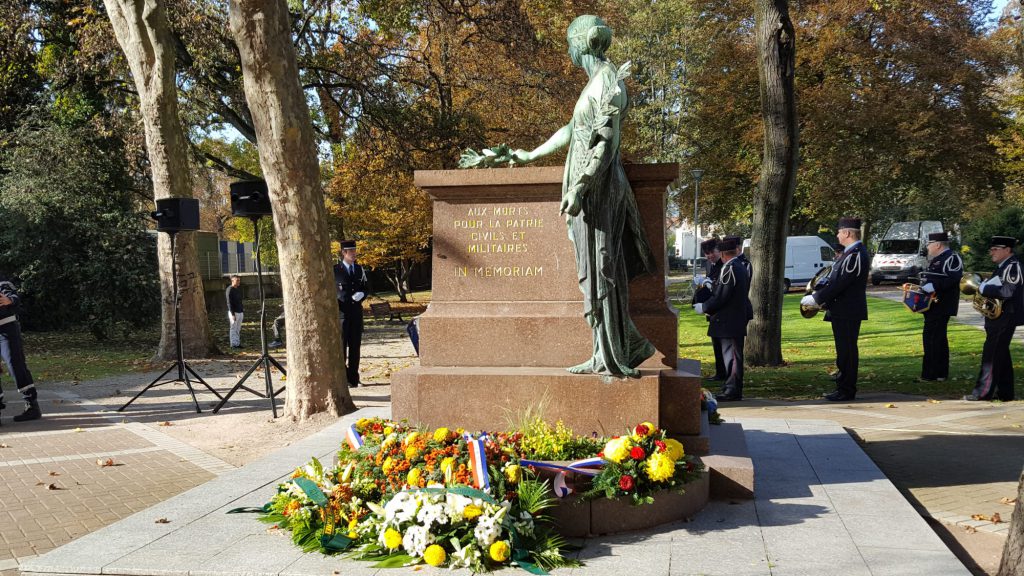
{"x":250,"y":198}
{"x":176,"y":214}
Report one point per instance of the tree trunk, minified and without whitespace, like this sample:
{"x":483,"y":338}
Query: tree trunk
{"x":141,"y":29}
{"x":1012,"y":563}
{"x":288,"y":156}
{"x":774,"y":196}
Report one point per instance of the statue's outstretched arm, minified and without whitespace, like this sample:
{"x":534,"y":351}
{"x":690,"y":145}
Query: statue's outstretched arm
{"x":557,"y":141}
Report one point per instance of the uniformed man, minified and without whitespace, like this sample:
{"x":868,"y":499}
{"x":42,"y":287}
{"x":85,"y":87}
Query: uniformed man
{"x":942,"y":278}
{"x":845,"y":303}
{"x":741,"y":259}
{"x":13,"y":352}
{"x":727,"y":309}
{"x":352,"y":288}
{"x":705,"y":284}
{"x":996,"y":377}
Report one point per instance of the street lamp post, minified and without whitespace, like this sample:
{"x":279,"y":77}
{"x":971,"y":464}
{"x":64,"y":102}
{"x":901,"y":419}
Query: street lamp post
{"x":697,"y":174}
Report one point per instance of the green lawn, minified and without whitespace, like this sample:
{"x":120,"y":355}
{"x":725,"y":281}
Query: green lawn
{"x":73,"y":355}
{"x":890,"y":354}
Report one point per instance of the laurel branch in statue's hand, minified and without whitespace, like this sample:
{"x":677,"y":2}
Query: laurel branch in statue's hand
{"x":486,"y":158}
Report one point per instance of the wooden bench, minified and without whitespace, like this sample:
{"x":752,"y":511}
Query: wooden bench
{"x":383,"y":311}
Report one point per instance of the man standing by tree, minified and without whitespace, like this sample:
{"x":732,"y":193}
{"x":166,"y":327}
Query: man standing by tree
{"x":995,"y":380}
{"x":352,"y":287}
{"x":727,"y":308}
{"x":235,"y":311}
{"x":942,"y":278}
{"x":13,"y":352}
{"x":845,"y":302}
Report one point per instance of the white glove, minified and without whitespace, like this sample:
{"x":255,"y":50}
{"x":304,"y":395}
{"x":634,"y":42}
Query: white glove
{"x":928,"y":288}
{"x":995,"y":281}
{"x":808,"y":301}
{"x":358,"y":297}
{"x":698,"y":280}
{"x":698,"y":308}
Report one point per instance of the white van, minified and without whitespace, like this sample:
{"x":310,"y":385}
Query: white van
{"x":805,"y":256}
{"x":901,"y":253}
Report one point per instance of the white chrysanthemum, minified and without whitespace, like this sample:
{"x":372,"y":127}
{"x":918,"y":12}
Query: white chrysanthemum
{"x":431,"y":513}
{"x":416,"y":540}
{"x":401,"y":508}
{"x":487,"y":530}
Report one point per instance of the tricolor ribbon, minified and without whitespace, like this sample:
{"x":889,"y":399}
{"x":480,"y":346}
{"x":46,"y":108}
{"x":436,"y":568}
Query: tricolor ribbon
{"x":354,"y":439}
{"x":586,"y":467}
{"x":478,"y":462}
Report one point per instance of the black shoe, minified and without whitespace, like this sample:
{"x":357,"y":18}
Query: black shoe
{"x":729,"y":397}
{"x":354,"y":384}
{"x":973,"y":398}
{"x":276,"y":344}
{"x":30,"y":413}
{"x":838,"y":396}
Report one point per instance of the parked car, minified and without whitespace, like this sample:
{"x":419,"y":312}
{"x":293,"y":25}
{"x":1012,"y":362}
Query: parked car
{"x":901,"y":253}
{"x":805,"y":256}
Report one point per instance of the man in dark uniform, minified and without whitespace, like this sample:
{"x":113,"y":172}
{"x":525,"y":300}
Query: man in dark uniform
{"x":1007,"y":285}
{"x":704,"y":286}
{"x":942,"y":278}
{"x":352,"y":287}
{"x":13,"y":352}
{"x":727,"y":309}
{"x":742,"y":260}
{"x":845,"y":302}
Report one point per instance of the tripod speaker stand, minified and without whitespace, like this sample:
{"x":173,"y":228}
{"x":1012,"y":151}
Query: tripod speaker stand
{"x":175,"y":215}
{"x":250,"y":199}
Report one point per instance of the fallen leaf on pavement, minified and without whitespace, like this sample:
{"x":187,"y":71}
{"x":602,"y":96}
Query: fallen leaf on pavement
{"x":162,"y":521}
{"x":53,"y":487}
{"x":996,"y":519}
{"x":165,"y":424}
{"x":933,"y":401}
{"x":890,"y":405}
{"x":1008,"y":501}
{"x":970,"y":529}
{"x":104,"y":463}
{"x":1015,"y":425}
{"x":78,"y":429}
{"x":52,"y":473}
{"x":4,"y":446}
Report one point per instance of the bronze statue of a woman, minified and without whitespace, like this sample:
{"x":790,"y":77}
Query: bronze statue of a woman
{"x":598,"y":203}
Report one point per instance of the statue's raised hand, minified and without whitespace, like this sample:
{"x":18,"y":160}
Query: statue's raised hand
{"x":486,"y":158}
{"x":520,"y":156}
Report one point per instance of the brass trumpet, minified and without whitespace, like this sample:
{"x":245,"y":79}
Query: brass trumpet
{"x":820,"y":280}
{"x":990,"y":308}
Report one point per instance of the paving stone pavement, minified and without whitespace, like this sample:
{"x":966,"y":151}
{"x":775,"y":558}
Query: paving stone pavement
{"x":817,"y":491}
{"x":52,"y":489}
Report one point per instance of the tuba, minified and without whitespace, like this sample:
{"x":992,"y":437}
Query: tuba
{"x":990,"y":308}
{"x":817,"y":283}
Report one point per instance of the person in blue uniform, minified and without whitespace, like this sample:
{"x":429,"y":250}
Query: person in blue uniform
{"x":995,"y":380}
{"x":741,"y":259}
{"x":727,"y":309}
{"x":705,"y":284}
{"x":942,"y":279}
{"x":845,"y":303}
{"x":350,"y":279}
{"x":13,"y":352}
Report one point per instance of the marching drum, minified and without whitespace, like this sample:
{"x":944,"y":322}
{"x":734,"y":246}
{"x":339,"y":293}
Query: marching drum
{"x":917,"y":300}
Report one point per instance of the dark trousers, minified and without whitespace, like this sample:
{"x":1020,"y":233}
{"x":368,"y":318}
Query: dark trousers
{"x":12,"y":350}
{"x":845,"y":334}
{"x":351,"y":341}
{"x":935,"y":363}
{"x":279,"y":328}
{"x":720,"y":372}
{"x":732,"y":354}
{"x":996,"y":375}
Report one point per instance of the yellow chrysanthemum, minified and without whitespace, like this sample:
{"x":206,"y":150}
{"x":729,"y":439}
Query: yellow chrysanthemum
{"x":413,"y":477}
{"x":500,"y":551}
{"x":388,"y":430}
{"x":292,"y":507}
{"x":388,"y":464}
{"x":392,"y":539}
{"x":471,"y":511}
{"x":434,"y":555}
{"x":660,"y":467}
{"x":617,"y":449}
{"x":646,"y":428}
{"x":513,"y":474}
{"x":674,"y":449}
{"x":411,"y":452}
{"x":410,"y":438}
{"x":440,"y":434}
